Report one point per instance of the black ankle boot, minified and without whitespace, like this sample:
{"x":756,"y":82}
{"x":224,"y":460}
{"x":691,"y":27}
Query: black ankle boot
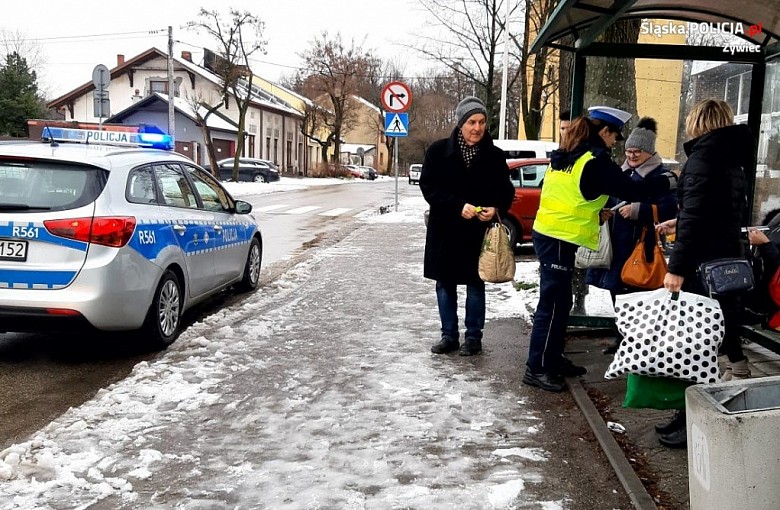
{"x":470,"y":347}
{"x":568,"y":369}
{"x":445,"y":345}
{"x":678,"y":419}
{"x":677,"y":437}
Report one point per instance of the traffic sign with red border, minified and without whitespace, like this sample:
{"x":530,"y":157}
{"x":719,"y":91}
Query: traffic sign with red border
{"x":396,"y":97}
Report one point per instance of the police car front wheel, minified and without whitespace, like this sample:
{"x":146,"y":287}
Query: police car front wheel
{"x":164,"y":319}
{"x":252,"y":268}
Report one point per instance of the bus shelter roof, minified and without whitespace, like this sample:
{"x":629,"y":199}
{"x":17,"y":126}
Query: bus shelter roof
{"x":586,"y":20}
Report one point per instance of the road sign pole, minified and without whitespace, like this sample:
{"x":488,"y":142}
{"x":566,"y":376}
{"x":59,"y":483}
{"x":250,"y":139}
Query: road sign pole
{"x":396,"y":98}
{"x":395,"y":165}
{"x":101,"y":77}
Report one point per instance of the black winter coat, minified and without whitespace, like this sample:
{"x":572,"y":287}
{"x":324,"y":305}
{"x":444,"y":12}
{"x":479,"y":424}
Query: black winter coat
{"x":452,"y":244}
{"x":625,"y":233}
{"x":711,"y":197}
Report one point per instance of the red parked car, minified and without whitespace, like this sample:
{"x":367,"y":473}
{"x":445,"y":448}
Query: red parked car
{"x":527,"y":176}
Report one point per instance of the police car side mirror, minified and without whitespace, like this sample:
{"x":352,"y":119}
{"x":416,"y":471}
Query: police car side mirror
{"x":243,"y":207}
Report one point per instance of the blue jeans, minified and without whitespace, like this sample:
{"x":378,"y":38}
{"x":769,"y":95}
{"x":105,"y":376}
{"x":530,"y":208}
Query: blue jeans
{"x":556,"y":264}
{"x":447,"y":297}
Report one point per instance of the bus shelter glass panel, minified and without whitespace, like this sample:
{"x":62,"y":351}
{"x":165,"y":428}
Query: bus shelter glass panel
{"x":767,"y":197}
{"x":667,"y":90}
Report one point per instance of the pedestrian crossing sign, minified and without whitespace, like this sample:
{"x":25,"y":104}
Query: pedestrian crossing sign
{"x":396,"y":124}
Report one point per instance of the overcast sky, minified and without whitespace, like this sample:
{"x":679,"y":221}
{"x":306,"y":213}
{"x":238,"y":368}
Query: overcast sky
{"x":76,"y":35}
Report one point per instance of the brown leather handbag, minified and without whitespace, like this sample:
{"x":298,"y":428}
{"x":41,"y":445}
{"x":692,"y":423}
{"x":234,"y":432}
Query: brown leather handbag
{"x":637,"y":271}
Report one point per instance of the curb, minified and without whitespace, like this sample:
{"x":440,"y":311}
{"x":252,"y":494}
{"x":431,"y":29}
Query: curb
{"x":617,"y":459}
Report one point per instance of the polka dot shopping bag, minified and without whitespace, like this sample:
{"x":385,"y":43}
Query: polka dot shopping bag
{"x":671,"y":335}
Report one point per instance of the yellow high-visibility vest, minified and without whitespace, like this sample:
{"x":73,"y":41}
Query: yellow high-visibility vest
{"x":563,"y":212}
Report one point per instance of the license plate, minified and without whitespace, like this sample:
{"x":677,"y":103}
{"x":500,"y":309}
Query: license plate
{"x":13,"y":250}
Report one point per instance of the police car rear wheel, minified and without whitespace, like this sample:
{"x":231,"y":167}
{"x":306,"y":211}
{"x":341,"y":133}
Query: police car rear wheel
{"x":164,"y":317}
{"x":252,"y":268}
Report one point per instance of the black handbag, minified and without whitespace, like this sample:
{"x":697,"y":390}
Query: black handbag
{"x":724,"y":277}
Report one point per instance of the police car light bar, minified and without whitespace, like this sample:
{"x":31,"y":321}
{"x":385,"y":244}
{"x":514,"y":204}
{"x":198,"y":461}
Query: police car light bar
{"x":123,"y":138}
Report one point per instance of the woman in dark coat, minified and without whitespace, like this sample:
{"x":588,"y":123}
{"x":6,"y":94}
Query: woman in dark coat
{"x":712,"y":201}
{"x":465,"y":179}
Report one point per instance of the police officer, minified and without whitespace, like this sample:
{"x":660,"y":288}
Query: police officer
{"x":577,"y":184}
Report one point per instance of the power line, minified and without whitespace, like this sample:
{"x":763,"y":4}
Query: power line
{"x":80,"y":38}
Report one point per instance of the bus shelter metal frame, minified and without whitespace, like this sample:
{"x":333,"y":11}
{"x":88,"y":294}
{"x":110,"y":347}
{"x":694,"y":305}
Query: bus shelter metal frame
{"x":587,"y":28}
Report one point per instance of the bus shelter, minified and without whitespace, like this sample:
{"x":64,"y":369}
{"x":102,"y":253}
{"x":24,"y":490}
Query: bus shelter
{"x":723,"y":49}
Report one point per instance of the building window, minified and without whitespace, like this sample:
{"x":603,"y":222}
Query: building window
{"x":158,"y":86}
{"x":289,"y":153}
{"x":161,"y":86}
{"x":276,"y":151}
{"x":738,"y":92}
{"x":267,"y":148}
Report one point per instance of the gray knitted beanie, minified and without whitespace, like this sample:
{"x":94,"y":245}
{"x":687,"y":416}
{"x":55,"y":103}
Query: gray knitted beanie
{"x":643,"y":136}
{"x":468,"y":107}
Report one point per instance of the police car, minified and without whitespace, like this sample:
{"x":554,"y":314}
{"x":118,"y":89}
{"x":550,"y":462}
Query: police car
{"x":106,"y":229}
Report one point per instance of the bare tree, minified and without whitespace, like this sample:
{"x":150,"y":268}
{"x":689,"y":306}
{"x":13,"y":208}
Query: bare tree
{"x":431,"y":116}
{"x":537,"y":80}
{"x":239,"y":38}
{"x":333,"y":73}
{"x":470,"y":47}
{"x":17,"y":42}
{"x":203,"y":110}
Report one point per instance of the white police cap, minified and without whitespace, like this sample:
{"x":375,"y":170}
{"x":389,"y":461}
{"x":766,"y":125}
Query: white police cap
{"x":617,"y":118}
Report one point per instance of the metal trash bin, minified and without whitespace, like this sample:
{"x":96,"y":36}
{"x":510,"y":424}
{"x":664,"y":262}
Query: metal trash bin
{"x":734,"y":444}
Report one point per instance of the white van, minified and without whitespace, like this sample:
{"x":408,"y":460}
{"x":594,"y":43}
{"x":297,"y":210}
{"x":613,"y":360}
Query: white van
{"x":526,"y":149}
{"x":414,"y":173}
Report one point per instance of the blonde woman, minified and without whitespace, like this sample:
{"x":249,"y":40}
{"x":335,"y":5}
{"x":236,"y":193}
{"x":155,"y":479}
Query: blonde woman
{"x":711,"y":197}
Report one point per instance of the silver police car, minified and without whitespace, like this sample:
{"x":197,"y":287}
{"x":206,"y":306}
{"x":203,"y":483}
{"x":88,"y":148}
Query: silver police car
{"x":115,"y":237}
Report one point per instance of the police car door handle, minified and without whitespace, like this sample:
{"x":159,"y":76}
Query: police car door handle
{"x":217,"y":228}
{"x":180,"y":229}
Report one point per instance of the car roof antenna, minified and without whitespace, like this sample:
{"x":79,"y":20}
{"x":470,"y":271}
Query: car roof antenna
{"x":51,"y":138}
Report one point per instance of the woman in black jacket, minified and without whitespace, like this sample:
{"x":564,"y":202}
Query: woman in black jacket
{"x":712,"y":201}
{"x":465,"y":179}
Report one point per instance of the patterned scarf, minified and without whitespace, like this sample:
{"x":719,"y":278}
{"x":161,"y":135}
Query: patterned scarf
{"x":469,"y":152}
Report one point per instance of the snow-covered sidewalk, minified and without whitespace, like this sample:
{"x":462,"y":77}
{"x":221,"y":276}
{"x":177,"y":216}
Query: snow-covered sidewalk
{"x":318,"y":392}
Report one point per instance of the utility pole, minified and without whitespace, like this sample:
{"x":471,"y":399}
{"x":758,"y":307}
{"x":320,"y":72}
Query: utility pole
{"x":504,"y":77}
{"x":171,"y":95}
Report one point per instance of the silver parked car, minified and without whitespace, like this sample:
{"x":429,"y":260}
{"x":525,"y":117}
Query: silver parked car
{"x":115,"y":238}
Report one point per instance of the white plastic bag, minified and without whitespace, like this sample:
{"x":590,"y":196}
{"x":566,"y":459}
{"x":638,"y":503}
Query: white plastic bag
{"x":668,"y":337}
{"x":601,"y":258}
